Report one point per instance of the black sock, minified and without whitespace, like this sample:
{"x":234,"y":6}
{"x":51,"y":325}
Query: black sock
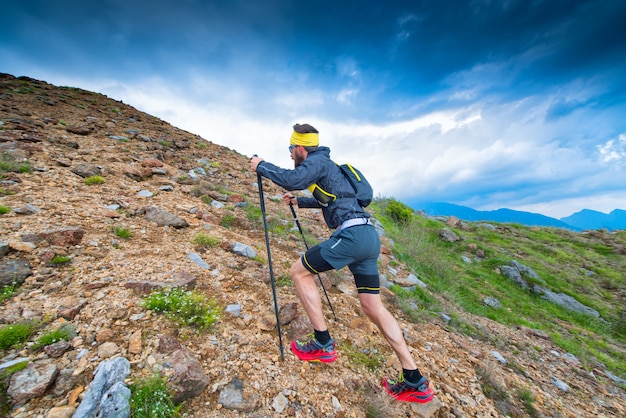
{"x":412,"y":376}
{"x":322,"y":337}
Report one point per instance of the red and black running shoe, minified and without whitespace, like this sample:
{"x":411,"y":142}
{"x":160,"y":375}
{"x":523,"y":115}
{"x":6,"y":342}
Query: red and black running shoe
{"x":408,"y":392}
{"x":310,"y":349}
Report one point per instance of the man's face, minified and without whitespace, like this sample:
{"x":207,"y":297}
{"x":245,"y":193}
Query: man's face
{"x":298,"y":154}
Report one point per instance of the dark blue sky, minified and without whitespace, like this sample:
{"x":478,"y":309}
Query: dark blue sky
{"x":489,"y":104}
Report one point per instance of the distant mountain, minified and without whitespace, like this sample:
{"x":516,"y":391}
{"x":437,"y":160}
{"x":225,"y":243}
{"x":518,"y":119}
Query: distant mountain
{"x":591,"y":219}
{"x":500,"y":215}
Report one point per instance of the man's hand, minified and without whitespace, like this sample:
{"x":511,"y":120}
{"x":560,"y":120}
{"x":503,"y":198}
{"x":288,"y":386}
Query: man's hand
{"x":254,"y":162}
{"x":289,"y":199}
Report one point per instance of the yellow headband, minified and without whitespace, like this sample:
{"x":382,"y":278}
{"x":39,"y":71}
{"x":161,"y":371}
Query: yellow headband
{"x":306,"y":140}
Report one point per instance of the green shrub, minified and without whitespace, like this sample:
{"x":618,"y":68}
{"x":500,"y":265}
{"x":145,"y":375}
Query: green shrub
{"x":184,"y":307}
{"x":399,"y":212}
{"x":4,"y":209}
{"x":60,"y":259}
{"x":228,"y":220}
{"x":91,"y":180}
{"x":151,"y":398}
{"x":203,"y":240}
{"x":15,"y":334}
{"x":122,"y":232}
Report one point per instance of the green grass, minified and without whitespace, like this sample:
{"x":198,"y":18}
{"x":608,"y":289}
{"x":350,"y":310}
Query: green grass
{"x":9,"y":164}
{"x":7,"y":292}
{"x":60,"y":334}
{"x":4,"y":209}
{"x":561,"y":258}
{"x":60,"y":259}
{"x":93,"y":180}
{"x":16,"y":334}
{"x":228,"y":220}
{"x":203,"y":240}
{"x":151,"y":398}
{"x":369,"y":358}
{"x":186,"y":307}
{"x":122,"y":232}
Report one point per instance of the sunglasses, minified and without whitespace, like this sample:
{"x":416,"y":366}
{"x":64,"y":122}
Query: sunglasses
{"x":291,"y":147}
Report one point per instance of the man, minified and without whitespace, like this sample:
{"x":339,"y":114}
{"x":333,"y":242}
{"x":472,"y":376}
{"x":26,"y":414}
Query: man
{"x":354,"y":243}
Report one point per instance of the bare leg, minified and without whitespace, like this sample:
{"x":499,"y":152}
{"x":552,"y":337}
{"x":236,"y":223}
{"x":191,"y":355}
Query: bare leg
{"x":375,"y":310}
{"x":309,"y":296}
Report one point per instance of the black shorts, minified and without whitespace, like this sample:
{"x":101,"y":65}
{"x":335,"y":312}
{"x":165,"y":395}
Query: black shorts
{"x":356,"y":247}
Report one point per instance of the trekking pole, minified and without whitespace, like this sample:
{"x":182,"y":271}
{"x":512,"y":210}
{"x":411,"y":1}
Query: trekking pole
{"x":269,"y":260}
{"x":295,"y":218}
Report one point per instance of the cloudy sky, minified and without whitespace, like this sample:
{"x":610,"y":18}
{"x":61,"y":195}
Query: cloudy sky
{"x":488,"y":104}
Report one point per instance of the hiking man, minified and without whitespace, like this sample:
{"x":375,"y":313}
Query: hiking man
{"x":354,"y":243}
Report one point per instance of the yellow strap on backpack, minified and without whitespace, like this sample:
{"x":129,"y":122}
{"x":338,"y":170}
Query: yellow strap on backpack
{"x":321,"y":195}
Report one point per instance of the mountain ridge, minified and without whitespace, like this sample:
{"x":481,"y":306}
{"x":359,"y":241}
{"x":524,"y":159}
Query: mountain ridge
{"x":585,"y":219}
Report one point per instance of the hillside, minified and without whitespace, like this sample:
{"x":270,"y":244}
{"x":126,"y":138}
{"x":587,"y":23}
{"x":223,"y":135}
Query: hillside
{"x":165,"y":187}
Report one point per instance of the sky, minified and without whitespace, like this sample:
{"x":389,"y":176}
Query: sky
{"x":516,"y":104}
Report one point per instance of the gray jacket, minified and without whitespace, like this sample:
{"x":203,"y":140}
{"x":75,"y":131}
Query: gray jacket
{"x":318,"y":168}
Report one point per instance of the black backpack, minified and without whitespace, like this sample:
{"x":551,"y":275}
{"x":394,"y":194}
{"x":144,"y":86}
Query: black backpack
{"x":362,"y":189}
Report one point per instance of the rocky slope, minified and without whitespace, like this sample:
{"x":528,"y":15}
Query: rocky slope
{"x":67,"y":134}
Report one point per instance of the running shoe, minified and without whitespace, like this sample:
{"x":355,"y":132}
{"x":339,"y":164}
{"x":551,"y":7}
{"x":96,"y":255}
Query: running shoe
{"x":310,"y":349}
{"x":409,"y":392}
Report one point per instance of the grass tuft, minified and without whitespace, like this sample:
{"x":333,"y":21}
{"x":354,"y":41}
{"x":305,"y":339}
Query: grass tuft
{"x":151,"y":398}
{"x":185,"y":307}
{"x":92,"y":180}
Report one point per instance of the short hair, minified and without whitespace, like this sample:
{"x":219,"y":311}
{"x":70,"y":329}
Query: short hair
{"x":304,"y":128}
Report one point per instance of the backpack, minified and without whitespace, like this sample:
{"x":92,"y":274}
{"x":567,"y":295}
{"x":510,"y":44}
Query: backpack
{"x":362,"y":189}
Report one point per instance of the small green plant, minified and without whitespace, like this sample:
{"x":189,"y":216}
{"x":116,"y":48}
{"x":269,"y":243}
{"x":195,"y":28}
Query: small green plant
{"x":399,"y":212}
{"x":206,"y":199}
{"x":185,"y":307}
{"x":91,"y":180}
{"x":60,"y":259}
{"x":61,"y":334}
{"x":164,"y":143}
{"x":228,"y":220}
{"x":284,"y":281}
{"x":15,"y":334}
{"x":8,"y":291}
{"x":152,"y":398}
{"x":201,"y":145}
{"x":4,"y":209}
{"x":528,"y":398}
{"x":371,"y":359}
{"x":203,"y":240}
{"x":9,"y":164}
{"x":122,"y":232}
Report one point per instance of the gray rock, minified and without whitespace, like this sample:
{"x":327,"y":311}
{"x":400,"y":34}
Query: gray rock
{"x":31,"y":382}
{"x":525,"y":270}
{"x":242,"y":249}
{"x":566,"y":301}
{"x":14,"y":271}
{"x":234,"y":310}
{"x":492,"y":302}
{"x":107,"y":374}
{"x":514,"y":274}
{"x":164,"y":218}
{"x":27,"y":210}
{"x":412,"y":278}
{"x":466,"y":259}
{"x":198,"y":260}
{"x":87,"y":170}
{"x":144,"y":193}
{"x":4,"y":248}
{"x":448,"y":235}
{"x":217,"y":205}
{"x":231,"y":397}
{"x":498,"y":357}
{"x":115,"y":402}
{"x":560,"y":384}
